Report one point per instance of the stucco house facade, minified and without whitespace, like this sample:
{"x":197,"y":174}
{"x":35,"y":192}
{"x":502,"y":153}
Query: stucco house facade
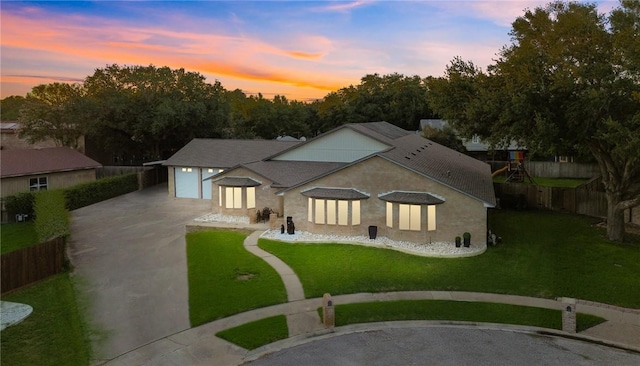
{"x":362,"y":175}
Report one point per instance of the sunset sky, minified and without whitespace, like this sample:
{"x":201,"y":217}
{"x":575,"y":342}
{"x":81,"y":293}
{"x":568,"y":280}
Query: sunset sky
{"x":300,"y":49}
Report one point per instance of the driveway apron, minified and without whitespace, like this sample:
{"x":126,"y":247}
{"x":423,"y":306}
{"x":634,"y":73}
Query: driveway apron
{"x":129,"y":256}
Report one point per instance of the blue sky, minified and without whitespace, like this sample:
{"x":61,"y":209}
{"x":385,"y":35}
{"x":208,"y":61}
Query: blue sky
{"x":300,"y":49}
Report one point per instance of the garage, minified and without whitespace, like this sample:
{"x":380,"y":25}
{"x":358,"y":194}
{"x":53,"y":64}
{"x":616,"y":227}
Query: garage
{"x":187,"y":182}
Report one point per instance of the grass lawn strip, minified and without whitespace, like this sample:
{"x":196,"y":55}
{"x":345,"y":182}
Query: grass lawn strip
{"x":543,"y":254}
{"x":447,"y":310}
{"x":257,"y":333}
{"x":54,"y":334}
{"x":17,"y":235}
{"x":225,"y":279}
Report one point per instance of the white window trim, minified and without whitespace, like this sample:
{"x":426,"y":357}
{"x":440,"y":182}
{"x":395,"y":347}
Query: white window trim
{"x":37,"y":186}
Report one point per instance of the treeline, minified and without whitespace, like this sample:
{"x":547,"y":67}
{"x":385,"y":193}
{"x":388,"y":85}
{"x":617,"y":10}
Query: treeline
{"x":150,"y":112}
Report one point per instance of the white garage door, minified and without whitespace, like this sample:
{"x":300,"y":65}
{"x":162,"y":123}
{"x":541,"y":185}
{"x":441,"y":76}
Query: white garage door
{"x":186,"y":182}
{"x":206,"y":184}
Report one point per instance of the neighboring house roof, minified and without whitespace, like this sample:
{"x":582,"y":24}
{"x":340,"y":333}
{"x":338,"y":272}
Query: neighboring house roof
{"x":414,"y":198}
{"x":237,"y":182}
{"x":20,"y":162}
{"x":222,"y":153}
{"x":469,"y":144}
{"x":9,"y":126}
{"x":335,"y":193}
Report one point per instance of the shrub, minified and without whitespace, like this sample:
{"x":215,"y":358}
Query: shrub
{"x":20,"y":203}
{"x":86,"y":194}
{"x":52,"y":218}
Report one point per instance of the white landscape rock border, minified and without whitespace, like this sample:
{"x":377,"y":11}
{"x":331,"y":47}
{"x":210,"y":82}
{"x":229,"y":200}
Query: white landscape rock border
{"x":433,"y":249}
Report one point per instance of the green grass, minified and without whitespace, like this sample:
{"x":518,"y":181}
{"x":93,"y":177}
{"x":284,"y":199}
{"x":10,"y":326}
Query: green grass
{"x":548,"y":182}
{"x":456,"y":311}
{"x":258,"y":333}
{"x":54,"y":334}
{"x":543,"y":254}
{"x":225,"y":279}
{"x":17,"y":235}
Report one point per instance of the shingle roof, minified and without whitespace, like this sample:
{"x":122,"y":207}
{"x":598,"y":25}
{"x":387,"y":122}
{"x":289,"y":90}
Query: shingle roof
{"x":335,"y":193}
{"x":414,"y":198}
{"x":237,"y":182}
{"x":285,"y":174}
{"x":222,"y":153}
{"x":449,"y":167}
{"x":21,"y":162}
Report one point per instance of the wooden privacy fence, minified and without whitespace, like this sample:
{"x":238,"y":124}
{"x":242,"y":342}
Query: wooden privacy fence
{"x":575,"y":200}
{"x":27,"y":265}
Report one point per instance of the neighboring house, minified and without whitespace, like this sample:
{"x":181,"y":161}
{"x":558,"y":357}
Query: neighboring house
{"x":189,"y":168}
{"x":10,"y":140}
{"x":41,"y":169}
{"x":475,"y":147}
{"x":362,"y":175}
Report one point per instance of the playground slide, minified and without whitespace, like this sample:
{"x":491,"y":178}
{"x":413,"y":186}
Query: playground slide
{"x":500,"y":171}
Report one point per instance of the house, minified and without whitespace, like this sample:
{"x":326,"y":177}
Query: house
{"x":44,"y":168}
{"x":359,"y":176}
{"x":9,"y":137}
{"x":189,"y":168}
{"x":475,"y":146}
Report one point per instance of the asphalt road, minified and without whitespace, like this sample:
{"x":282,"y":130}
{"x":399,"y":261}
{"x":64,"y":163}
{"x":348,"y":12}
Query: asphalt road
{"x":447,"y":346}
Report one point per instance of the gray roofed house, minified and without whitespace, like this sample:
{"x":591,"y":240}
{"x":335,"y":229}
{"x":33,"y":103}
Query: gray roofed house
{"x":355,"y":176}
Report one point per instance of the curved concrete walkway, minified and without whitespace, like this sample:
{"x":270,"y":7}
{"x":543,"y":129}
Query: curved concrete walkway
{"x":200,"y":345}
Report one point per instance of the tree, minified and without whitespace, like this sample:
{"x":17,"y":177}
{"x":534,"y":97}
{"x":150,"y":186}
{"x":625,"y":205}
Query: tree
{"x":395,"y":98}
{"x":10,"y":107}
{"x":570,"y":81}
{"x":146,"y":113}
{"x":53,"y":111}
{"x":445,"y":136}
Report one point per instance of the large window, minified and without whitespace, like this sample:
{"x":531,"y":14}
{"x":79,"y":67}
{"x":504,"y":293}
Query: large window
{"x":38,"y":184}
{"x":233,"y":197}
{"x":333,"y":212}
{"x":410,"y":216}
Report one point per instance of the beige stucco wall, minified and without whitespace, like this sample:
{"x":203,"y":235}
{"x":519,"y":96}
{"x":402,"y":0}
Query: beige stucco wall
{"x":459,"y":213}
{"x":15,"y":185}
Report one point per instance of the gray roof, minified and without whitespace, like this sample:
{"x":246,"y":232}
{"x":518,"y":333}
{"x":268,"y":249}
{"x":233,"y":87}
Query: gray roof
{"x":449,"y":167}
{"x":446,"y":166}
{"x":224,"y":153}
{"x":469,"y":144}
{"x":335,"y":193}
{"x":414,"y":198}
{"x":285,"y":174}
{"x":237,"y":182}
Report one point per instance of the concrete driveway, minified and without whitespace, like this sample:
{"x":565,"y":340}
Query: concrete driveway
{"x":130,"y":261}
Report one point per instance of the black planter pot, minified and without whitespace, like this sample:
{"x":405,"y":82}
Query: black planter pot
{"x":373,"y":232}
{"x":458,"y":242}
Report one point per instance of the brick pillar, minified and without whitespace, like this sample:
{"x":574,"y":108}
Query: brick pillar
{"x":328,"y":311}
{"x":568,"y":314}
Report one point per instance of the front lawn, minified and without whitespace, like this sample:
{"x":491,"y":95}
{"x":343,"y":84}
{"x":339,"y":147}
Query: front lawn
{"x":17,"y":235}
{"x":258,"y":333}
{"x":543,"y":254}
{"x":456,"y":311}
{"x":225,"y":279}
{"x":54,"y":334}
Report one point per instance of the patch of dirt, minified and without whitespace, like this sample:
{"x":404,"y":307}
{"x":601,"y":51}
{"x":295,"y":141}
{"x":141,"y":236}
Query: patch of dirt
{"x":245,"y":276}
